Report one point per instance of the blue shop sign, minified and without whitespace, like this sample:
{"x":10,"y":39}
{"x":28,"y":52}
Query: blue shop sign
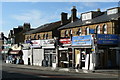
{"x":92,"y":31}
{"x":82,"y":40}
{"x":28,"y":41}
{"x":107,"y":39}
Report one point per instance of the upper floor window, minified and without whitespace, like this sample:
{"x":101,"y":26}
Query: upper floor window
{"x":30,"y":37}
{"x":70,"y":32}
{"x":46,"y":36}
{"x":27,"y":37}
{"x":66,"y":33}
{"x":97,"y":29}
{"x":87,"y":16}
{"x":112,"y":11}
{"x":87,"y":31}
{"x":34,"y":36}
{"x":43,"y":36}
{"x":104,"y":29}
{"x":39,"y":37}
{"x":79,"y":32}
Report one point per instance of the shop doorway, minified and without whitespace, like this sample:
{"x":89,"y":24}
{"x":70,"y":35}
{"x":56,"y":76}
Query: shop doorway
{"x":63,"y":59}
{"x":28,"y":61}
{"x":48,"y":58}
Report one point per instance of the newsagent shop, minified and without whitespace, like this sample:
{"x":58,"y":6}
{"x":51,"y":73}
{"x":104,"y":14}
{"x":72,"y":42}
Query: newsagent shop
{"x":83,"y":55}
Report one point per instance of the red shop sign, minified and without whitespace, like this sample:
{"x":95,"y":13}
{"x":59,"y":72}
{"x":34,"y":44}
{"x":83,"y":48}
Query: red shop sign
{"x":65,"y":41}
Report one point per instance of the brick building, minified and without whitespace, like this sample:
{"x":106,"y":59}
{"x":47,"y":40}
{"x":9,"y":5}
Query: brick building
{"x":17,"y":34}
{"x":99,"y":26}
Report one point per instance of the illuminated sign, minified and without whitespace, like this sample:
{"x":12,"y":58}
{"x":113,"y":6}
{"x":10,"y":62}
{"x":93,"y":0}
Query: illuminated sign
{"x":82,"y":40}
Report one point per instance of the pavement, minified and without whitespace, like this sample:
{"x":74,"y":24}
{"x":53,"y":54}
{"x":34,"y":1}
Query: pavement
{"x":106,"y":72}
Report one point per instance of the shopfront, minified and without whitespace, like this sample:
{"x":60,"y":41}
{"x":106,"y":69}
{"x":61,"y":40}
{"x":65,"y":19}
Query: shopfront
{"x":5,"y":53}
{"x":50,"y":55}
{"x":37,"y":55}
{"x":82,"y":46}
{"x":26,"y":53}
{"x":15,"y":54}
{"x":65,"y":59}
{"x":106,"y":53}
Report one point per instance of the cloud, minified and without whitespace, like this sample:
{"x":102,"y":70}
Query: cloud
{"x":35,"y":17}
{"x":32,"y":16}
{"x":29,"y":15}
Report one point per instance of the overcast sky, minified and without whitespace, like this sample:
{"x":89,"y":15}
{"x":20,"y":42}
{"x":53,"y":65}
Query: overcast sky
{"x":38,"y":13}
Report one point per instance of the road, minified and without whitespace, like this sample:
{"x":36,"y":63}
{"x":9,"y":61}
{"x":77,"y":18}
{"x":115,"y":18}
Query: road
{"x":16,"y":73}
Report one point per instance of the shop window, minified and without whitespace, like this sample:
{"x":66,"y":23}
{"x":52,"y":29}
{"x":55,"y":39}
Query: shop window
{"x":87,"y":31}
{"x":97,"y":29}
{"x":63,"y":57}
{"x":27,"y":37}
{"x":43,"y":36}
{"x":46,"y":36}
{"x":70,"y":32}
{"x":30,"y":37}
{"x":104,"y":29}
{"x":54,"y":58}
{"x":79,"y":32}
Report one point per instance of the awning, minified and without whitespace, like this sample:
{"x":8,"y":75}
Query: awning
{"x":15,"y":52}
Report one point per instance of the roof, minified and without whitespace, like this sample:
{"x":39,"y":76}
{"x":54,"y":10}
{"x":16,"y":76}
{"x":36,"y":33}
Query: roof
{"x":99,"y":19}
{"x":46,"y":27}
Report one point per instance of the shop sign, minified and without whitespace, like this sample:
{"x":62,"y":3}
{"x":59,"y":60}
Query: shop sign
{"x":65,"y":41}
{"x":82,"y":40}
{"x":119,"y":39}
{"x":36,"y":43}
{"x":48,"y":42}
{"x":28,"y":41}
{"x":92,"y":31}
{"x":107,"y":39}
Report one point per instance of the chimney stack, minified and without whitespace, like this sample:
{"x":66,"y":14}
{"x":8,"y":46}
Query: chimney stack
{"x":63,"y":18}
{"x":26,"y":26}
{"x":98,"y":10}
{"x":73,"y":14}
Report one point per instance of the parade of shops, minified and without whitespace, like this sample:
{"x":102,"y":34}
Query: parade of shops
{"x":89,"y":42}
